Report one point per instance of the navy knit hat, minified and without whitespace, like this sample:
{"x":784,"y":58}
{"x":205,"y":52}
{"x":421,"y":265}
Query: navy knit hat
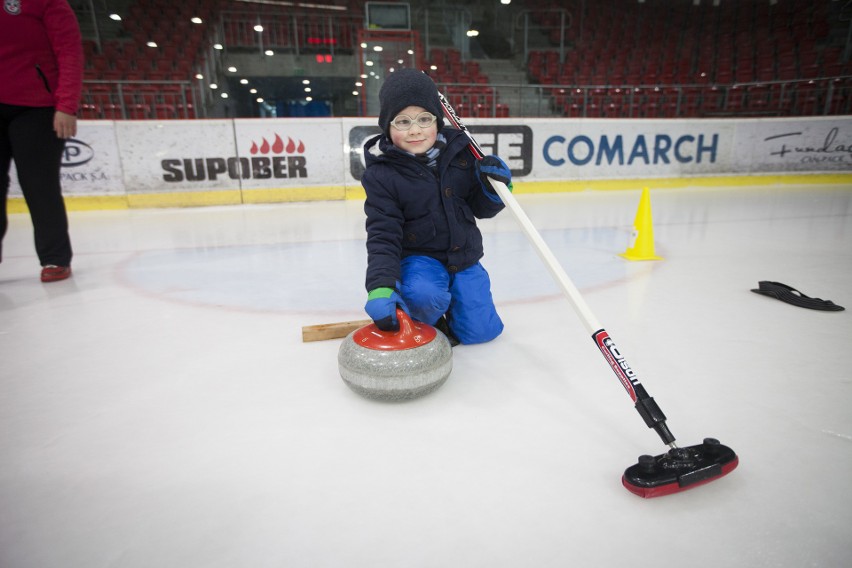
{"x":404,"y":88}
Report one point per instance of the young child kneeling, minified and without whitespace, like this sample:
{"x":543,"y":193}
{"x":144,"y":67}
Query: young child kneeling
{"x":424,"y":191}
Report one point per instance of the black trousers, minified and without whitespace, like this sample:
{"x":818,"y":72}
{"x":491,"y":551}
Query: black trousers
{"x":27,"y":136}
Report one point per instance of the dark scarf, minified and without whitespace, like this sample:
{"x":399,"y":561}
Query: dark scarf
{"x":430,"y":157}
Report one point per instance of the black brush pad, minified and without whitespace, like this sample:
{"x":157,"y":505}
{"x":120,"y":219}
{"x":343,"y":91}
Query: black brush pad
{"x":679,"y":469}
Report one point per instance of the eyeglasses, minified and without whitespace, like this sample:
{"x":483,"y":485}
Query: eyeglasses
{"x":405,"y":122}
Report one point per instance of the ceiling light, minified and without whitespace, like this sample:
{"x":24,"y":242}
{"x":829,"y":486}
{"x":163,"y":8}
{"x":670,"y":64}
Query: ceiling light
{"x":151,"y":44}
{"x":218,"y":46}
{"x":232,"y":69}
{"x":195,"y":20}
{"x":253,"y":91}
{"x":260,"y":99}
{"x":243,"y":81}
{"x":258,"y":28}
{"x":269,"y":52}
{"x":224,"y":95}
{"x":115,"y":17}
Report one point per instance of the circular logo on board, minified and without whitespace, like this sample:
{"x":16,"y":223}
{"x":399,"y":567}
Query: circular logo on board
{"x":76,"y":153}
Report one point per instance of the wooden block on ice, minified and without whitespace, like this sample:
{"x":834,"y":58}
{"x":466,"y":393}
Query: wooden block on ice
{"x":325,"y":331}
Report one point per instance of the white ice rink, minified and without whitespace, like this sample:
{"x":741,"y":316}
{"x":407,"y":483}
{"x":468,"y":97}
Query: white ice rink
{"x":159,"y":409}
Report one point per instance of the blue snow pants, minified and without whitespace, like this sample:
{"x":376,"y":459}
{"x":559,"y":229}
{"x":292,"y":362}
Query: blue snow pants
{"x":465,"y":297}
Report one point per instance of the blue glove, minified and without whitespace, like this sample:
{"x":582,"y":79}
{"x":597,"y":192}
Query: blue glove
{"x":381,"y":307}
{"x":494,"y":167}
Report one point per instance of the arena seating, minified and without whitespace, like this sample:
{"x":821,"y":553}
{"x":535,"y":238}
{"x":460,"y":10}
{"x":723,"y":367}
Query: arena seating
{"x":613,"y":59}
{"x":677,"y":59}
{"x":133,"y":78}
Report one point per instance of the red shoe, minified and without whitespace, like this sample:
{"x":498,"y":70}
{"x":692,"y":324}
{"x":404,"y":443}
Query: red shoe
{"x":52,"y":273}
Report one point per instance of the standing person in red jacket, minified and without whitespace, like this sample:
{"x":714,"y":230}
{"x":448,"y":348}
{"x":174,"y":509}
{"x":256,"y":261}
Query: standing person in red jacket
{"x":41,"y":76}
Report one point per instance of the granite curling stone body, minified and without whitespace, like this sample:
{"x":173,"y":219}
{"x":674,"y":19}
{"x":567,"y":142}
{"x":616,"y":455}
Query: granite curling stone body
{"x":395,"y":365}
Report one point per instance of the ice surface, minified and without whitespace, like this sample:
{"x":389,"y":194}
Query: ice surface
{"x":160,"y":410}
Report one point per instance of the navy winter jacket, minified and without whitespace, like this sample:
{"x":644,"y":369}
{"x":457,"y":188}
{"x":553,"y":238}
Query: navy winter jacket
{"x":413,"y":209}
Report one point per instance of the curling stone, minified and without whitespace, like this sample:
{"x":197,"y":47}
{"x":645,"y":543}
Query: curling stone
{"x":395,"y":365}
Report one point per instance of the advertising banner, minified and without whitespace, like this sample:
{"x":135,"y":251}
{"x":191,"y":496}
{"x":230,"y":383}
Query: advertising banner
{"x":178,"y":155}
{"x":511,"y":140}
{"x":793,"y":145}
{"x":622,"y":149}
{"x":194,"y":162}
{"x":295,"y":152}
{"x":90,"y":162}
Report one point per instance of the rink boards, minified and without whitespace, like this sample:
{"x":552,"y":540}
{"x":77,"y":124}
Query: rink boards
{"x":119,"y":164}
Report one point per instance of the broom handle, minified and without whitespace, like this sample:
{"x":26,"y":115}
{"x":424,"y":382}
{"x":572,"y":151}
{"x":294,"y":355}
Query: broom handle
{"x":579,"y":305}
{"x":550,"y":261}
{"x":644,"y":403}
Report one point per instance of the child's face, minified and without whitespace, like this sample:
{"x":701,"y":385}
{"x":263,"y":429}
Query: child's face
{"x":416,"y":140}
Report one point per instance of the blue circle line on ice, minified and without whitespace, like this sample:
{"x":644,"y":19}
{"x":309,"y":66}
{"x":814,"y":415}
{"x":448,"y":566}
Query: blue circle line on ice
{"x":328,"y":276}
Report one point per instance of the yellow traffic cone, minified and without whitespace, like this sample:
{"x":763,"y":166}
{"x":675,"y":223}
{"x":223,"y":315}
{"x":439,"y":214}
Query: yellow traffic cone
{"x":643,"y":232}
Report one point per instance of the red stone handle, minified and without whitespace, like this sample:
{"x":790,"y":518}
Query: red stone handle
{"x":411,"y":334}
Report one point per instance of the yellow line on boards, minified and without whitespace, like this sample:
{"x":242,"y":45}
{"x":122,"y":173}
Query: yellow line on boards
{"x":76,"y":203}
{"x":183,"y":199}
{"x":287,"y":194}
